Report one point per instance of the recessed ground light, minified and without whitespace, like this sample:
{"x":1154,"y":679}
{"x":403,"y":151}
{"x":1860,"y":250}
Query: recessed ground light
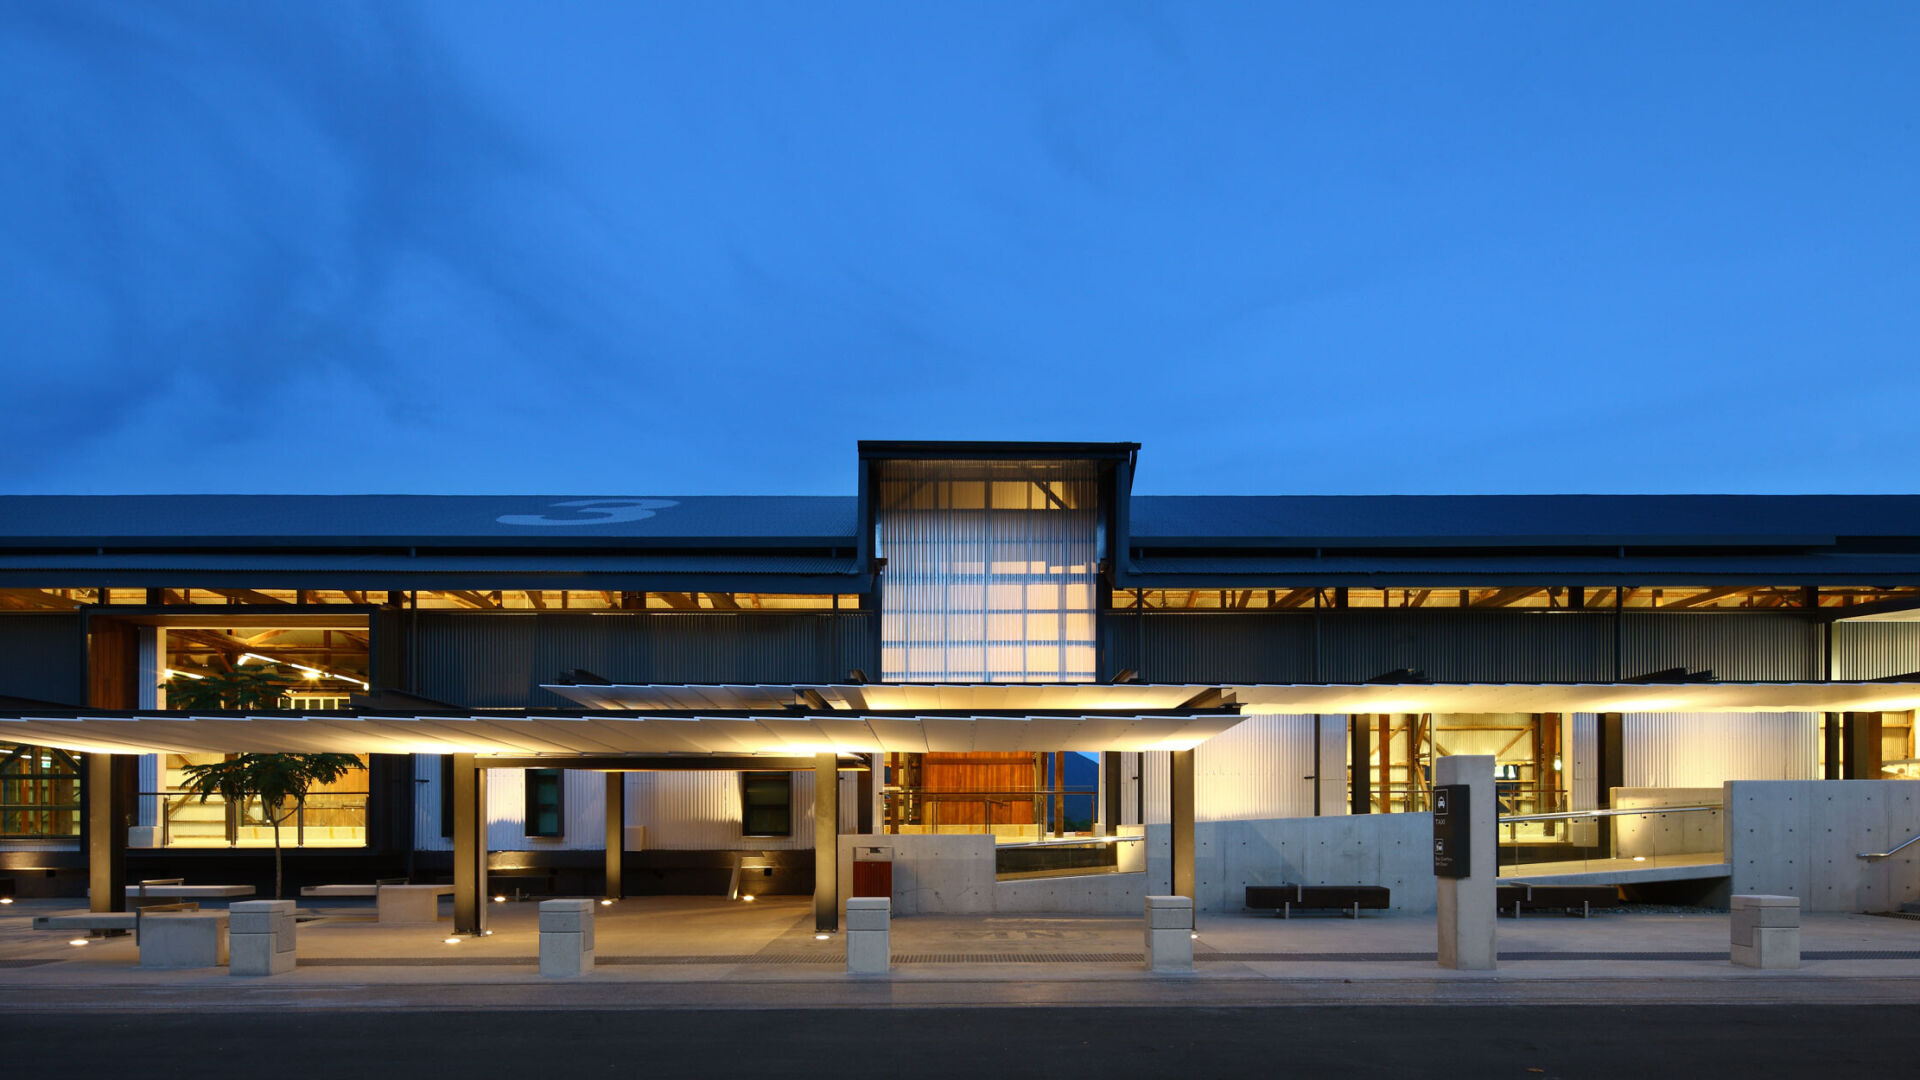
{"x":453,"y":941}
{"x":6,"y":899}
{"x":822,"y":937}
{"x":486,"y":933}
{"x":78,"y":941}
{"x":499,"y":899}
{"x":748,"y":899}
{"x":606,"y":903}
{"x":1195,"y":935}
{"x":1639,"y":858}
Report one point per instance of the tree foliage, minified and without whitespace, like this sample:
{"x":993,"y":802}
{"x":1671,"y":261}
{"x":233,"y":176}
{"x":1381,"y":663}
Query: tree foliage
{"x":280,"y":781}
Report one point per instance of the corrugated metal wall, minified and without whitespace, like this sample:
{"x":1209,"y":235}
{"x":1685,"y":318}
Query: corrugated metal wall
{"x":495,"y":661}
{"x":1707,"y":749}
{"x":1875,"y":650}
{"x":45,"y":657}
{"x":1210,"y":647}
{"x":1463,"y":646}
{"x":682,"y":811}
{"x":1458,"y":646}
{"x":1259,"y":769}
{"x":1758,"y":648}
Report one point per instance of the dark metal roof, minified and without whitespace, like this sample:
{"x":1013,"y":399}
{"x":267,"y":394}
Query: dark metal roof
{"x":1440,"y":521}
{"x":698,"y":571}
{"x":1381,"y":569}
{"x":982,"y":451}
{"x":489,"y":521}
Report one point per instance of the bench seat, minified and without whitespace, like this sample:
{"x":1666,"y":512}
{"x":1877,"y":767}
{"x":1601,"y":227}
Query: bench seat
{"x":1516,"y":897}
{"x":87,"y":920}
{"x":1348,"y":898}
{"x":341,"y":890}
{"x":191,"y":892}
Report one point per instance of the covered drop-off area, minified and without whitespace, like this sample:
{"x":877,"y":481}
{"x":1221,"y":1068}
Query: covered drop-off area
{"x":802,"y":734}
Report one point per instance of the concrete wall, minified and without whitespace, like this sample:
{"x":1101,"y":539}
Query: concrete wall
{"x":1691,"y":833}
{"x":1803,"y":838}
{"x":1394,"y":850}
{"x":955,"y":874}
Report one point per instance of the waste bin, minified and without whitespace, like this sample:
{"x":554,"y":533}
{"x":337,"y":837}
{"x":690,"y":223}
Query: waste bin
{"x":873,"y":872}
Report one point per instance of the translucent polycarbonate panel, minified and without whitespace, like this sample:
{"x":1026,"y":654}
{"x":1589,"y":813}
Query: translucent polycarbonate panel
{"x":990,"y":572}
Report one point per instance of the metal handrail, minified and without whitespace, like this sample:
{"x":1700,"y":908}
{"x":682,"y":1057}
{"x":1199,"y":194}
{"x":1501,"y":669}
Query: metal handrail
{"x":1895,"y":850}
{"x":1584,"y":815}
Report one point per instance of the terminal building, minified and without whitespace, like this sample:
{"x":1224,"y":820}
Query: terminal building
{"x":990,"y":665}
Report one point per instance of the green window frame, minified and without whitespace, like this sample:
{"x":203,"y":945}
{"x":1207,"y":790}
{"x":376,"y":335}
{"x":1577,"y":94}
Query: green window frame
{"x":766,"y":804}
{"x":546,"y":803}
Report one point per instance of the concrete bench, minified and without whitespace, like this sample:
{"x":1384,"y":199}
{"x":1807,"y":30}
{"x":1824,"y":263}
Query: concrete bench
{"x":170,"y":940}
{"x":1347,"y":898}
{"x":177,"y":891}
{"x":1525,"y":896}
{"x":402,"y":904}
{"x":110,"y":923}
{"x":345,"y":891}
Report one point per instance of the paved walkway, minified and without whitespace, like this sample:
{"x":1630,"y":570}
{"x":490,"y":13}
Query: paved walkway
{"x":695,"y":952}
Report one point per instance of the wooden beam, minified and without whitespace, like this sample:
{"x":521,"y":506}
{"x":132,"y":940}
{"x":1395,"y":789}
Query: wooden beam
{"x":1504,"y":597}
{"x":680,"y":601}
{"x":471,"y":598}
{"x":536,"y":600}
{"x":35,"y":600}
{"x":250,"y":596}
{"x":1705,"y":597}
{"x":1296,"y":598}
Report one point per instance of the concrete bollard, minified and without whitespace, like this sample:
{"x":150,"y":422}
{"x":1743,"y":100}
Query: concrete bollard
{"x":566,"y":937}
{"x":1169,"y":933}
{"x":1766,"y":931}
{"x":869,"y":935}
{"x":260,"y":937}
{"x":183,"y":939}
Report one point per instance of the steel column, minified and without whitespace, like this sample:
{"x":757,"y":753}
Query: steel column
{"x":616,"y":832}
{"x":107,"y":815}
{"x":826,"y":842}
{"x":1180,"y":802}
{"x":469,"y":846}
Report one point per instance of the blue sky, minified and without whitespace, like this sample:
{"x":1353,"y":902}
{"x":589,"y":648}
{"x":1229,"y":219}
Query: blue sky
{"x":648,"y":248}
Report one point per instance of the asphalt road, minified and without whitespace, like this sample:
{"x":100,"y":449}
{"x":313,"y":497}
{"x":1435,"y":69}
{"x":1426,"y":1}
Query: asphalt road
{"x":978,"y":1043}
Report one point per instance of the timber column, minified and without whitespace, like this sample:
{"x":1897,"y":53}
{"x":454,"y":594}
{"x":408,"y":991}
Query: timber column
{"x":469,"y":846}
{"x":826,"y":843}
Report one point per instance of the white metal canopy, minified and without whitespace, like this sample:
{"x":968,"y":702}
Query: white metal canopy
{"x":619,"y":733}
{"x":1276,"y":697}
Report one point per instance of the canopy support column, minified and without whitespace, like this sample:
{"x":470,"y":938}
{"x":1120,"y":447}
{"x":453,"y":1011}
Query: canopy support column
{"x":107,"y":813}
{"x":469,"y":846}
{"x":826,"y":843}
{"x":1181,"y":803}
{"x":616,"y":832}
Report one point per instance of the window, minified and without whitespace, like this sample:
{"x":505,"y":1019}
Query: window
{"x":766,"y":804}
{"x":546,"y":810}
{"x":39,"y":792}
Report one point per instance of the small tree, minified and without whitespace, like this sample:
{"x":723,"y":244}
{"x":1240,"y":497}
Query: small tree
{"x":275,"y":779}
{"x":258,"y":687}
